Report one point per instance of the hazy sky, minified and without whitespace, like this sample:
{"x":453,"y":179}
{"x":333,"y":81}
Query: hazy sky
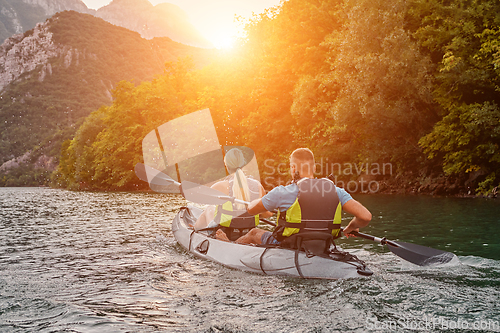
{"x":213,"y":18}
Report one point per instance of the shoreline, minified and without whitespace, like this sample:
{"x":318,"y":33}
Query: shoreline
{"x":390,"y":190}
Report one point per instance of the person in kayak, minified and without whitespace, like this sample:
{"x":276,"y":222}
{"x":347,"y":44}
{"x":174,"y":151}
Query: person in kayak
{"x":231,"y":215}
{"x":308,"y":204}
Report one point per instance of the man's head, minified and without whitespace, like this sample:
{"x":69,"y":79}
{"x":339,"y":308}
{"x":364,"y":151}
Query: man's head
{"x":302,"y":161}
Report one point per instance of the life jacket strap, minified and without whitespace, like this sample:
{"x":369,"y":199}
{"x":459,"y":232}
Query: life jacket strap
{"x":309,"y":224}
{"x":316,"y":225}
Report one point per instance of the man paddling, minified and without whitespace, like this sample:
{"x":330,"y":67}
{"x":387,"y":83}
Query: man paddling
{"x":308,"y":204}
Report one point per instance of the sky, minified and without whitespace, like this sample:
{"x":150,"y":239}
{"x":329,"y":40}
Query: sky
{"x":213,"y":18}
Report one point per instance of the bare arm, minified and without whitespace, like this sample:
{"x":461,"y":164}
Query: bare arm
{"x":266,"y":213}
{"x":256,"y":207}
{"x":362,"y":216}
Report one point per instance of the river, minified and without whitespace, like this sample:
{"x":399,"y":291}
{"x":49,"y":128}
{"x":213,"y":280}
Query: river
{"x":107,"y":262}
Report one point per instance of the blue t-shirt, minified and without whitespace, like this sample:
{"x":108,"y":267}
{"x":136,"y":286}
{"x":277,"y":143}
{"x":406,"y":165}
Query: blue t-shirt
{"x":282,"y":197}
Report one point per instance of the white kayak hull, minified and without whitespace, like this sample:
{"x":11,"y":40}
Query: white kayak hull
{"x":261,"y":260}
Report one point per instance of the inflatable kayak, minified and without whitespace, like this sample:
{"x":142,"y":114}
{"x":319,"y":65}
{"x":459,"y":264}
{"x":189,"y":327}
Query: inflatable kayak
{"x":271,"y":260}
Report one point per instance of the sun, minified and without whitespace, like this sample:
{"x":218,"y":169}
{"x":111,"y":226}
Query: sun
{"x":222,"y":34}
{"x":222,"y":40}
{"x":219,"y":27}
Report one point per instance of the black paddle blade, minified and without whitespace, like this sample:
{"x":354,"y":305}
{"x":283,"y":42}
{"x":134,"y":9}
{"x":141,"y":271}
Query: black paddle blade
{"x":202,"y":194}
{"x":420,"y":255}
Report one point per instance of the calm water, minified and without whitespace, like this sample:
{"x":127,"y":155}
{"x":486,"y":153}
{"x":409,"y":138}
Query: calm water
{"x":107,"y":262}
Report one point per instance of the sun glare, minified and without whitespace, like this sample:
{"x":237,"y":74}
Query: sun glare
{"x":219,"y":27}
{"x":222,"y":41}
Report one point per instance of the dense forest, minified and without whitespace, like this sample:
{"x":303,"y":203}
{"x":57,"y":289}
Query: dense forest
{"x":414,"y":84}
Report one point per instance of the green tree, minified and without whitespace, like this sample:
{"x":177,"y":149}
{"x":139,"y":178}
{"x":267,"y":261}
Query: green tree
{"x":468,"y":139}
{"x":462,"y":38}
{"x":374,"y":101}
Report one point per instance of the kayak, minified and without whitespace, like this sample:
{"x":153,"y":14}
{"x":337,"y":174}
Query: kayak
{"x":264,"y":259}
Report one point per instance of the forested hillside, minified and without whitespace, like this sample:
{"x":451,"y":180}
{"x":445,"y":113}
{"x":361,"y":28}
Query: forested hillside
{"x":67,"y":68}
{"x":413,"y":84}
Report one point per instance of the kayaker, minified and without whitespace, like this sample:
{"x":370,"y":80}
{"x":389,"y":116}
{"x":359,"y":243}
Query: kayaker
{"x":237,"y":185}
{"x":321,"y":200}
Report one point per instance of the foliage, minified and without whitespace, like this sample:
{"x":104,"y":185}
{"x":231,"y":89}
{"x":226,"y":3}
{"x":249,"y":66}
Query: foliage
{"x":25,"y":176}
{"x":372,"y":103}
{"x":250,"y":91}
{"x":468,"y":138}
{"x":462,"y":36}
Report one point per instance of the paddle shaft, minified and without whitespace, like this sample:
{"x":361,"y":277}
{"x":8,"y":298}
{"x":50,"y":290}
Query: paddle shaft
{"x":151,"y":175}
{"x":382,"y":241}
{"x":232,"y":199}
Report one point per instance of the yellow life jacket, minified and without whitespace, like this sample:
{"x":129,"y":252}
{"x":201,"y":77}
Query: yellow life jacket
{"x":317,"y":208}
{"x":227,"y":216}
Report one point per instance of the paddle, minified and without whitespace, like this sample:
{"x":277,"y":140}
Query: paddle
{"x":191,"y":191}
{"x":153,"y":176}
{"x":416,"y":254}
{"x":206,"y":195}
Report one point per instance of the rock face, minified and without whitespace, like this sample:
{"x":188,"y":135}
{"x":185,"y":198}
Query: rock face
{"x":53,"y":6}
{"x":10,"y":21}
{"x":18,"y":16}
{"x":163,"y":20}
{"x":23,"y":53}
{"x":20,"y":54}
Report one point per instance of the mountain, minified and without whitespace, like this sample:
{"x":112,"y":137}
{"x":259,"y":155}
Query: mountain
{"x":153,"y":21}
{"x":18,"y":16}
{"x":163,"y":20}
{"x":54,"y":75}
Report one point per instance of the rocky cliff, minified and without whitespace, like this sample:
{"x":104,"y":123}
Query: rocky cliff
{"x":24,"y":53}
{"x":18,"y":16}
{"x":163,"y":20}
{"x":51,"y":7}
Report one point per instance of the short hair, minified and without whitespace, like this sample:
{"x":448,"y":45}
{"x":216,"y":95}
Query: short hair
{"x":303,"y":158}
{"x":302,"y":155}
